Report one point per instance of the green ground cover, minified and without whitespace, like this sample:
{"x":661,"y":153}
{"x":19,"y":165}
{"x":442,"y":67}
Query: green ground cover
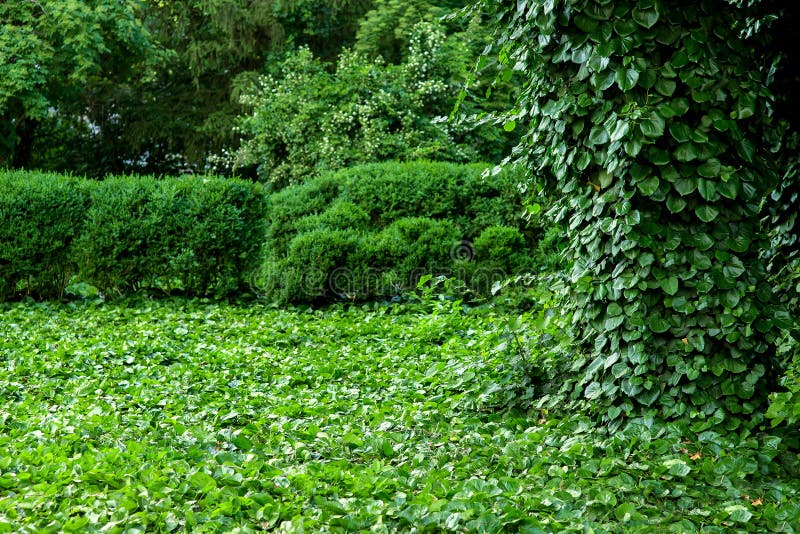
{"x":194,"y":416}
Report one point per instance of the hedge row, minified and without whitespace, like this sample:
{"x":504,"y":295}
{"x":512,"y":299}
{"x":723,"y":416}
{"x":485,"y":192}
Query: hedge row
{"x":197,"y":235}
{"x":360,"y":233}
{"x":372,"y":230}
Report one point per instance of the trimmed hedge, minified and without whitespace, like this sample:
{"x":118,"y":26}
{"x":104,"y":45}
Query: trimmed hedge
{"x":371,"y":231}
{"x":40,"y":217}
{"x":200,"y":236}
{"x":359,"y":233}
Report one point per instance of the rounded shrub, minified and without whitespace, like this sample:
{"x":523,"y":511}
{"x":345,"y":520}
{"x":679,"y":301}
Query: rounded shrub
{"x":410,"y":247}
{"x":398,"y":221}
{"x":341,"y":215}
{"x":501,"y":246}
{"x":308,"y":272}
{"x":286,"y":207}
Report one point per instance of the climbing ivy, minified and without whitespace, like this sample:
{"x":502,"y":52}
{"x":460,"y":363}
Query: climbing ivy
{"x":653,"y":122}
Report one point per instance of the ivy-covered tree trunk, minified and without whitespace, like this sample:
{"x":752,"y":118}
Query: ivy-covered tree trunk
{"x":652,"y":122}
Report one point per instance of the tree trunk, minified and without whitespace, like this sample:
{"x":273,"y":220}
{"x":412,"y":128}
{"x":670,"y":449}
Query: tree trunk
{"x":23,"y":144}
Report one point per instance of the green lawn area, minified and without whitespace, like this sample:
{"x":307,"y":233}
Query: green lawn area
{"x":175,"y":415}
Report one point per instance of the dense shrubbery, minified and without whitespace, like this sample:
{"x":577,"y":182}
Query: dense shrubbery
{"x":200,"y":236}
{"x":358,"y":233}
{"x":310,"y":120}
{"x":40,"y":216}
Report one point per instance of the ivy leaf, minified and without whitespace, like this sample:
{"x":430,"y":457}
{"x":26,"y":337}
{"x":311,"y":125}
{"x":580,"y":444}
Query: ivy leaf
{"x":675,"y":204}
{"x":707,"y":189}
{"x":685,"y":186}
{"x":648,"y":397}
{"x":730,"y":299}
{"x":626,"y":78}
{"x":680,"y":132}
{"x":593,"y":390}
{"x":677,"y":467}
{"x":583,"y":160}
{"x":680,"y":59}
{"x":585,"y":23}
{"x":739,"y":513}
{"x":738,"y":243}
{"x":700,"y":240}
{"x":700,"y":260}
{"x":734,"y":268}
{"x":746,"y":150}
{"x":604,"y":178}
{"x":657,"y":324}
{"x":645,"y":17}
{"x":706,"y":212}
{"x":710,"y":169}
{"x":618,"y":370}
{"x":652,"y":125}
{"x":665,"y":87}
{"x":649,"y":185}
{"x":670,"y":285}
{"x":598,"y":135}
{"x":624,"y":27}
{"x":686,"y":152}
{"x":727,"y":189}
{"x":620,"y":130}
{"x":633,"y":147}
{"x":611,"y":323}
{"x":674,"y":108}
{"x":203,"y":482}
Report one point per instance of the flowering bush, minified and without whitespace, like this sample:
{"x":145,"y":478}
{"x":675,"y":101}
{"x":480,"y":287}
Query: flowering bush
{"x":311,"y":120}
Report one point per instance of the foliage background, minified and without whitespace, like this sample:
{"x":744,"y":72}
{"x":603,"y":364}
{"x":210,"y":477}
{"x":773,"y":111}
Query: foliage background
{"x":155,"y":87}
{"x":631,"y":395}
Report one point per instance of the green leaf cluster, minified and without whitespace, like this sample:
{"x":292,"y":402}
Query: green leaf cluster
{"x":154,"y":87}
{"x":181,"y":415}
{"x":384,"y":30}
{"x":653,"y":123}
{"x":147,"y":86}
{"x":54,"y":54}
{"x":784,"y":262}
{"x":314,"y":118}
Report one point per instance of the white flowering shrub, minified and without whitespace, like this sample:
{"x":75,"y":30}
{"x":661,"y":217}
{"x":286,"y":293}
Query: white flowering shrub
{"x":311,"y":120}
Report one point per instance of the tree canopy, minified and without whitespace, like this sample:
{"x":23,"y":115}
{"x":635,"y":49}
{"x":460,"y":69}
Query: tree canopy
{"x":55,"y":56}
{"x":143,"y":85}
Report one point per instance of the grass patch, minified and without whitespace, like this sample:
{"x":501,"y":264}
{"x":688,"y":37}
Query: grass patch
{"x":187,"y":416}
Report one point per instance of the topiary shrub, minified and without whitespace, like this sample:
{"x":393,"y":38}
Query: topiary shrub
{"x":320,"y":264}
{"x":389,"y":223}
{"x":410,"y":247}
{"x":199,"y":236}
{"x":340,"y":215}
{"x":40,"y":216}
{"x":286,"y":207}
{"x":502,"y":246}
